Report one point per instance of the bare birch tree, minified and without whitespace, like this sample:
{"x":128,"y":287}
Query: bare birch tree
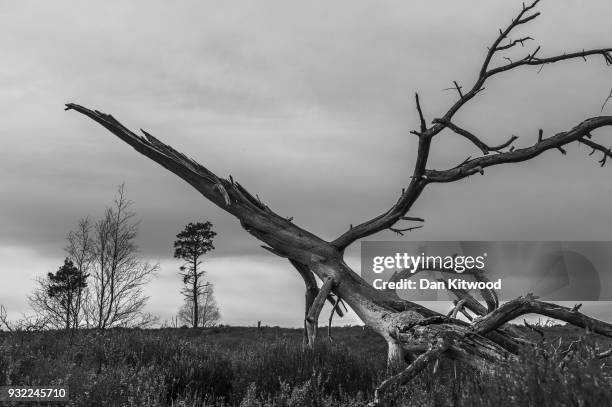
{"x":115,"y":296}
{"x":80,"y":250}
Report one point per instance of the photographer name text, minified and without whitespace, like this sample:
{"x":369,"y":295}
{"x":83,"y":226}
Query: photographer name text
{"x":426,"y":284}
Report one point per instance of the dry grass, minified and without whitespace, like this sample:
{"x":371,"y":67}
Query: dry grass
{"x":244,"y":367}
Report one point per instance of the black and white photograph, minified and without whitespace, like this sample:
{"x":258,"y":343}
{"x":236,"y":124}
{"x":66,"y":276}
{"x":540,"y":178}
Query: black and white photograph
{"x":292,"y":203}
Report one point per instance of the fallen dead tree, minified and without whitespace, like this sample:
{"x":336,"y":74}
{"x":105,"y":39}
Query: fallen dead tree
{"x":414,"y":333}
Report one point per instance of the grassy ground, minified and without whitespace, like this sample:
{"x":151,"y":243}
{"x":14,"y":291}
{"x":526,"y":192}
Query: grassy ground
{"x":245,"y":367}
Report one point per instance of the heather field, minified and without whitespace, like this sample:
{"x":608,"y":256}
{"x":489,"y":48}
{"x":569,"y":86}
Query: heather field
{"x":235,"y":366}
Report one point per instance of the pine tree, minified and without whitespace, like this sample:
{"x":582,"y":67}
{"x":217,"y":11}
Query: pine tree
{"x":192,"y":243}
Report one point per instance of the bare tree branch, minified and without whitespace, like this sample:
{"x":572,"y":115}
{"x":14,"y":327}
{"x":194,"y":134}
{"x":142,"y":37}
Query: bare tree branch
{"x":335,"y":308}
{"x":489,"y":295}
{"x":421,"y":116}
{"x":485,"y":148}
{"x":421,"y":177}
{"x":401,"y":231}
{"x":255,"y":217}
{"x":513,"y":43}
{"x":317,"y":305}
{"x":607,"y":152}
{"x":606,"y":101}
{"x":523,"y":154}
{"x":458,"y":306}
{"x":532,"y":60}
{"x":530,"y":305}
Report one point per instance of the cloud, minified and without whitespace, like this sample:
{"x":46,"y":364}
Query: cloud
{"x":307,"y":104}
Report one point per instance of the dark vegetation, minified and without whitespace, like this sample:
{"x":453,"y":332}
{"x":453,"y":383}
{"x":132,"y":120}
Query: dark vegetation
{"x":269,"y":367}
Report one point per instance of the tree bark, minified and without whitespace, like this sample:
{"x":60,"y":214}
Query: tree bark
{"x":395,"y":355}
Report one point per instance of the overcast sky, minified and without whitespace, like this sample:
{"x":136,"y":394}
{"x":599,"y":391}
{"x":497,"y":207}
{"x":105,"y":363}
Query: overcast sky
{"x":307,"y":104}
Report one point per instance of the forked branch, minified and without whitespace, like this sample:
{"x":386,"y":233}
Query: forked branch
{"x":530,"y":305}
{"x":422,"y":176}
{"x":607,"y":152}
{"x":484,"y":147}
{"x":522,"y":154}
